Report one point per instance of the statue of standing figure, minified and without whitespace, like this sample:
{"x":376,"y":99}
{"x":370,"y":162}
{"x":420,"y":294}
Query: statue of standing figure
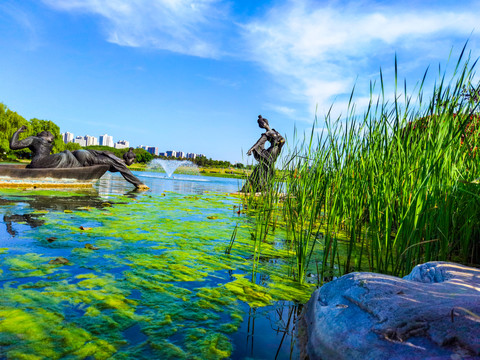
{"x":264,"y":172}
{"x":41,"y":146}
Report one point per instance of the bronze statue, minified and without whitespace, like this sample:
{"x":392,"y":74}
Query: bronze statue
{"x":41,"y":145}
{"x":265,"y":170}
{"x":129,"y":157}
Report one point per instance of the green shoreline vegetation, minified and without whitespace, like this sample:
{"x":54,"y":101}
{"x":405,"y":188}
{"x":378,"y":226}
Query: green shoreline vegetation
{"x":386,"y":190}
{"x":10,"y":121}
{"x":204,"y":171}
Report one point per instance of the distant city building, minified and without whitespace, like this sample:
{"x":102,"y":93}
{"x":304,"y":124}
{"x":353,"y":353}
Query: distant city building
{"x":162,"y":154}
{"x":171,"y":153}
{"x":191,"y":156}
{"x":152,"y":150}
{"x":106,"y":140}
{"x":90,"y":140}
{"x":180,"y":154}
{"x":67,"y":137}
{"x":122,"y":144}
{"x":201,"y":155}
{"x":80,"y":140}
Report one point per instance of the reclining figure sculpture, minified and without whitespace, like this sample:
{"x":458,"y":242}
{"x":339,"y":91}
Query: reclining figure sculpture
{"x":41,"y":146}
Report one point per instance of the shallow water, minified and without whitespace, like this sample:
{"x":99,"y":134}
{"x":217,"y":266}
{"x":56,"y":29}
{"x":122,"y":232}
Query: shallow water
{"x":147,"y":275}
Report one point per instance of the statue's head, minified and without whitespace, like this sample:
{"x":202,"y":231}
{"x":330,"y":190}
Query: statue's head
{"x":262,"y":122}
{"x":47,"y":135}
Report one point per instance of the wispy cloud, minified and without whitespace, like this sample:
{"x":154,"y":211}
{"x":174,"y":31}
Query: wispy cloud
{"x":221,"y":81}
{"x":282,"y":109}
{"x":316,"y":51}
{"x":189,"y":27}
{"x":12,"y":11}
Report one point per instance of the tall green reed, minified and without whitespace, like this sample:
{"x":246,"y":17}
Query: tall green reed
{"x":387,"y":189}
{"x":263,"y":208}
{"x":393,"y":184}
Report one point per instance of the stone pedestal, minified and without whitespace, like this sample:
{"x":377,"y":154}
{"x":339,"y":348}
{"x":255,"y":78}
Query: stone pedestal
{"x":433,"y":313}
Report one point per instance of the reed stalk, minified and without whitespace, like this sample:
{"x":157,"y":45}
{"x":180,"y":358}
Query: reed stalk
{"x":388,"y":189}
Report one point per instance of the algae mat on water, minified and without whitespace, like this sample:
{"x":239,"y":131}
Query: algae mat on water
{"x":129,"y":277}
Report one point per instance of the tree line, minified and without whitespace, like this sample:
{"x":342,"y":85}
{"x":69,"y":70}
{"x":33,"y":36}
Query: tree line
{"x":10,"y":121}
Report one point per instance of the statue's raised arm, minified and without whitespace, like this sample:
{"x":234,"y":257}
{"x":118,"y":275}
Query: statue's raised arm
{"x":16,"y":144}
{"x":41,"y":146}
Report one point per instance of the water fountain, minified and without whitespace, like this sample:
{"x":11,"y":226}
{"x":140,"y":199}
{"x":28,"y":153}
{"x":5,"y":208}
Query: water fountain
{"x":169,"y":166}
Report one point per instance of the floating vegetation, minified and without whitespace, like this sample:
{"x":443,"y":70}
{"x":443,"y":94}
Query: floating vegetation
{"x":159,"y":283}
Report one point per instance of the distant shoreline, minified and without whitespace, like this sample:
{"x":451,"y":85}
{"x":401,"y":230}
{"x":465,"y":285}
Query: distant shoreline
{"x":203,"y":171}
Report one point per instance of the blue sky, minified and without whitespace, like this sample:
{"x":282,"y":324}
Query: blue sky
{"x":193,"y":75}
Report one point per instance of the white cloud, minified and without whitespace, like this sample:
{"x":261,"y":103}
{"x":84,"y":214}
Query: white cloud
{"x":221,"y":81}
{"x":316,"y":51}
{"x":282,"y":109}
{"x":182,"y":26}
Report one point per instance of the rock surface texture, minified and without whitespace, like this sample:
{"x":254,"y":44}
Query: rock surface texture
{"x":433,"y":313}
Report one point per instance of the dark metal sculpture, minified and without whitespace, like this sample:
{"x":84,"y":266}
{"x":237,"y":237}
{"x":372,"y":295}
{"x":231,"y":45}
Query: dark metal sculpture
{"x":129,"y":157}
{"x":264,"y":172}
{"x":41,"y":146}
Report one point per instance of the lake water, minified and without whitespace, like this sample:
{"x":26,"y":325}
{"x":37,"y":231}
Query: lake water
{"x":114,"y":273}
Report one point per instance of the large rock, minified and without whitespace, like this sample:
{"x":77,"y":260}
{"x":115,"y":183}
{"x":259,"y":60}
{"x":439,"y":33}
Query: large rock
{"x":433,"y":313}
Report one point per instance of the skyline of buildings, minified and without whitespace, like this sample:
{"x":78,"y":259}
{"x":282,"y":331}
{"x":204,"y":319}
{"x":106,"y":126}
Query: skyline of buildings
{"x":107,"y":140}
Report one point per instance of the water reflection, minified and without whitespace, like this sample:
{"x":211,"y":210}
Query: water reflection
{"x":29,"y":219}
{"x":268,"y":333}
{"x":113,"y":183}
{"x":22,"y":208}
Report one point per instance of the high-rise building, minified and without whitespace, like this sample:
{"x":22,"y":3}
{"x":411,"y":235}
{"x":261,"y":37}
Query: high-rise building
{"x":162,"y":154}
{"x":152,"y":150}
{"x":67,"y":137}
{"x":106,"y":140}
{"x":80,"y":140}
{"x":122,"y":144}
{"x":91,"y":140}
{"x":171,"y":153}
{"x":191,"y":156}
{"x":180,"y":154}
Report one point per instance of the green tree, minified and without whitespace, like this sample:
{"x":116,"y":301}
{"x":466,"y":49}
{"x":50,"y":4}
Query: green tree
{"x":10,"y":122}
{"x":143,"y":156}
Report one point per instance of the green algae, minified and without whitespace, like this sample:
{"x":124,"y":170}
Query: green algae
{"x":39,"y":330}
{"x":161,"y":266}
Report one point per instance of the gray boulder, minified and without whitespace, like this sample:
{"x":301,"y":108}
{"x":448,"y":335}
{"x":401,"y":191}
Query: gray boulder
{"x":433,"y":313}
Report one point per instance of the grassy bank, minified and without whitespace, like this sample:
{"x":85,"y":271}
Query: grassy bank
{"x":204,"y":171}
{"x":385,"y":190}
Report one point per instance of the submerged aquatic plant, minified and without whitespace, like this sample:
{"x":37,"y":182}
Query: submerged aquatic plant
{"x":139,"y":283}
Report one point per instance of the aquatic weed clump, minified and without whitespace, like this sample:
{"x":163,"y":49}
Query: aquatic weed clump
{"x":387,"y":189}
{"x":138,"y":278}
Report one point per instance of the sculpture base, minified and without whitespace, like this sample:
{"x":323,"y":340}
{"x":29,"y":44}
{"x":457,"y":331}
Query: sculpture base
{"x":432,"y":313}
{"x":18,"y":176}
